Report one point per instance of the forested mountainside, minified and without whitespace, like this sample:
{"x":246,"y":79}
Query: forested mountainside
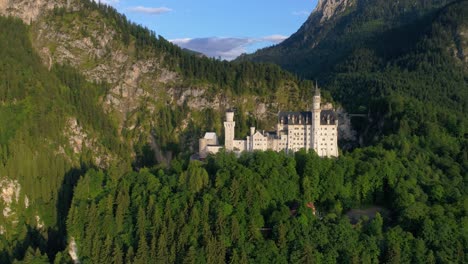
{"x":86,"y":97}
{"x":338,"y":27}
{"x":365,"y":50}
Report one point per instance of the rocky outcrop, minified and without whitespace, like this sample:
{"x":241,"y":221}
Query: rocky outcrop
{"x":30,"y":10}
{"x":329,"y":8}
{"x":345,"y":128}
{"x":73,"y":251}
{"x":10,"y":194}
{"x":101,"y":56}
{"x":460,"y":47}
{"x":79,"y":140}
{"x":12,"y":201}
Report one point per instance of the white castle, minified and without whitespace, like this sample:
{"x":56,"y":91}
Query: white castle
{"x":316,"y":129}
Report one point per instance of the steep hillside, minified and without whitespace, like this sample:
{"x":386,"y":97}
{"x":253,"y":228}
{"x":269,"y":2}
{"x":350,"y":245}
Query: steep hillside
{"x":161,"y":96}
{"x":147,"y":75}
{"x":337,"y":27}
{"x":52,"y":128}
{"x":366,"y":51}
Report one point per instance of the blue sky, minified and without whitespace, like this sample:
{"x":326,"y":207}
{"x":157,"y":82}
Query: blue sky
{"x":219,"y":28}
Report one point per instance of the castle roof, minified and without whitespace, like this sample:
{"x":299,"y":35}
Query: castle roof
{"x":328,"y":117}
{"x":210,"y":135}
{"x":295,"y":118}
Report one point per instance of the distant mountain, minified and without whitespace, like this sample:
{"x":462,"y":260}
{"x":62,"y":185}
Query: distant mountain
{"x":338,"y":27}
{"x":196,"y":53}
{"x":366,"y":50}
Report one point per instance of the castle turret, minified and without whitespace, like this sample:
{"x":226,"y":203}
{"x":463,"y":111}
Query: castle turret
{"x":202,"y":144}
{"x":316,"y":100}
{"x":314,"y":135}
{"x":229,"y":127}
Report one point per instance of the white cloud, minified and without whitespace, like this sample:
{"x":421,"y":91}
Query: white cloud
{"x":226,"y":48}
{"x":274,"y":38}
{"x":150,"y":10}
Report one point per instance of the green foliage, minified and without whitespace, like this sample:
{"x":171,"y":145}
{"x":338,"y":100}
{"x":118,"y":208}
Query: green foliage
{"x":257,"y":204}
{"x":35,"y":105}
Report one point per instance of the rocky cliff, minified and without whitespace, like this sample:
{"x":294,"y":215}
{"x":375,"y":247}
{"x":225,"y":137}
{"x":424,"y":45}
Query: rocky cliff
{"x":30,"y":11}
{"x":326,"y":9}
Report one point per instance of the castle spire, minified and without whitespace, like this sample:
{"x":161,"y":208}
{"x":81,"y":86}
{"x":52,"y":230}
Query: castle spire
{"x":317,"y":90}
{"x":316,"y":99}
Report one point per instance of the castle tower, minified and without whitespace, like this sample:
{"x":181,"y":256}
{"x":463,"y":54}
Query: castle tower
{"x":229,"y":127}
{"x":315,"y":119}
{"x":316,"y":100}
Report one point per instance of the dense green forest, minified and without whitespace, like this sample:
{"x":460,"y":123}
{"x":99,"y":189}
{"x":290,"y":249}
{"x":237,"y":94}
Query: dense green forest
{"x":400,"y":199}
{"x":253,"y":209}
{"x":35,"y":106}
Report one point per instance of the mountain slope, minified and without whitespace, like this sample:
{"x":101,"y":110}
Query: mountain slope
{"x":371,"y":50}
{"x":151,"y":81}
{"x":52,"y":129}
{"x":335,"y":28}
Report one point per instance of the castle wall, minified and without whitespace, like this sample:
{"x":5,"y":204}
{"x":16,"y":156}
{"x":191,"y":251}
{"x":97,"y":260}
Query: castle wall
{"x":213,"y":149}
{"x":298,"y":137}
{"x":212,"y":141}
{"x":327,"y":141}
{"x":202,"y":144}
{"x":259,"y":142}
{"x":240,"y":145}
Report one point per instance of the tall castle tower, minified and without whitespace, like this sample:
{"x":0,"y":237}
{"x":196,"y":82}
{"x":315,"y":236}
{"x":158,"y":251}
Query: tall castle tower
{"x":315,"y":119}
{"x":229,"y":127}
